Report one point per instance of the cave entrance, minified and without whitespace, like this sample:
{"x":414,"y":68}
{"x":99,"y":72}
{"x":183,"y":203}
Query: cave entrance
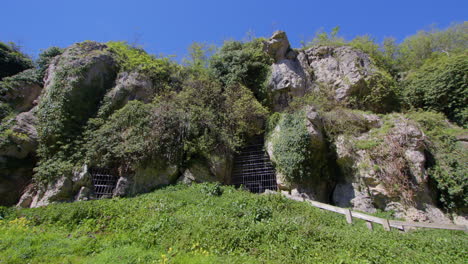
{"x":252,"y":167}
{"x":104,"y":182}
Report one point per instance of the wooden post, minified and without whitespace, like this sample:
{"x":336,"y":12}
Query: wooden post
{"x":369,"y":225}
{"x":349,"y":217}
{"x":386,"y":225}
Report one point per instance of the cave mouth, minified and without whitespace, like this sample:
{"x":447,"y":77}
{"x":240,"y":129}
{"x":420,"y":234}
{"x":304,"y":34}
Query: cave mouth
{"x":104,"y":182}
{"x":252,"y":167}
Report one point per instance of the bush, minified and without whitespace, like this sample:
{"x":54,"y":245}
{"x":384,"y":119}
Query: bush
{"x":12,"y":61}
{"x":429,"y":44}
{"x":136,"y":59}
{"x":441,"y":85}
{"x":293,"y":152}
{"x":381,"y":95}
{"x":244,"y":63}
{"x":45,"y":58}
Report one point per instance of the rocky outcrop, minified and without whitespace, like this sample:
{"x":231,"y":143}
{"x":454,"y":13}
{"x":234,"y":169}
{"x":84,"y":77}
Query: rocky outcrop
{"x":339,"y":71}
{"x":21,"y":91}
{"x":75,"y":83}
{"x":17,"y":156}
{"x":386,"y":170}
{"x":128,"y":86}
{"x":65,"y":189}
{"x":344,"y":70}
{"x":288,"y":76}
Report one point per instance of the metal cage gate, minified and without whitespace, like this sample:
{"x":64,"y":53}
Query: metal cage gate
{"x":104,"y":182}
{"x":252,"y":168}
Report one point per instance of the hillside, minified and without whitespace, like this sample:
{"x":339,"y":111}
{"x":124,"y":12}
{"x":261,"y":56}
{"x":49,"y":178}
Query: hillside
{"x":375,"y":127}
{"x":205,"y":223}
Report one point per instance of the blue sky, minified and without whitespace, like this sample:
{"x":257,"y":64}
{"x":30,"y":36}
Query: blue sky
{"x":169,"y":27}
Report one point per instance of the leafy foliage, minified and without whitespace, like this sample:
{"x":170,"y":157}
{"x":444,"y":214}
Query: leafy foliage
{"x":179,"y":126}
{"x":441,"y":85}
{"x":448,"y":166}
{"x":136,"y":59}
{"x":416,"y":49}
{"x":294,"y":154}
{"x":45,"y":58}
{"x":244,"y":63}
{"x":12,"y":61}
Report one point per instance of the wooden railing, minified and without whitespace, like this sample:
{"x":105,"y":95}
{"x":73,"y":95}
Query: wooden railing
{"x":387,"y":224}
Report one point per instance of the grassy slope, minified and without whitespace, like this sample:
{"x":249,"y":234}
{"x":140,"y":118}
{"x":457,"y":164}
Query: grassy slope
{"x":182,"y":224}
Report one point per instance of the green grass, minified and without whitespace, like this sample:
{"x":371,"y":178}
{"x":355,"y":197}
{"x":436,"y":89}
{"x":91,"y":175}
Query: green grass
{"x":207,"y":224}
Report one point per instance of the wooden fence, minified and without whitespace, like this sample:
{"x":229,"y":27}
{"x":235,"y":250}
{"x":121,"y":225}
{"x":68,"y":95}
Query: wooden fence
{"x":387,"y":224}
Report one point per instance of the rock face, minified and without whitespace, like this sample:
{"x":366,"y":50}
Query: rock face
{"x":395,"y":159}
{"x":129,"y":86}
{"x":288,"y":76}
{"x":22,"y":92}
{"x":17,"y":157}
{"x":340,"y":71}
{"x":75,"y":84}
{"x":74,"y":188}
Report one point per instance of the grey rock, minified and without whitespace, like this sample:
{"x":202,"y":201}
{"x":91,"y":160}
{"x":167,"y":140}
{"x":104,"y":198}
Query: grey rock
{"x":287,"y":80}
{"x":23,"y":141}
{"x":130,"y":86}
{"x":122,"y":187}
{"x":342,"y":69}
{"x":361,"y":186}
{"x":278,"y":46}
{"x":84,"y":194}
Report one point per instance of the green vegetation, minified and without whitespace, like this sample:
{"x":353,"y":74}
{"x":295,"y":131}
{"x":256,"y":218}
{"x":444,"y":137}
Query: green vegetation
{"x":296,"y":155}
{"x":291,"y":146}
{"x":449,"y":158}
{"x":244,"y":63}
{"x":441,"y":85}
{"x":12,"y":60}
{"x":207,"y":224}
{"x":45,"y":58}
{"x":10,"y":90}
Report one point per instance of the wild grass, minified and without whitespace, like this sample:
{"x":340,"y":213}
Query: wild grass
{"x":206,"y":223}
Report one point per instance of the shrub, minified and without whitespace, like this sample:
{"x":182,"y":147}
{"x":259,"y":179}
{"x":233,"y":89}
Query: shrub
{"x":429,"y":44}
{"x":381,"y":95}
{"x":136,"y":59}
{"x":244,"y":63}
{"x":294,"y":154}
{"x":12,"y":61}
{"x":45,"y":58}
{"x":441,"y":85}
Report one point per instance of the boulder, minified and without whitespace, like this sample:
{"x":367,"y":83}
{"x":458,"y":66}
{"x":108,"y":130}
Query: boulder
{"x":147,"y":178}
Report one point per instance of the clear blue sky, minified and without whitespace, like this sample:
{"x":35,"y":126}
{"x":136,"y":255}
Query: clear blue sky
{"x":170,"y":26}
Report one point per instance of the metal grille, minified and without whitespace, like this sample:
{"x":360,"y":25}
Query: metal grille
{"x":253,"y":169}
{"x":104,"y":182}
